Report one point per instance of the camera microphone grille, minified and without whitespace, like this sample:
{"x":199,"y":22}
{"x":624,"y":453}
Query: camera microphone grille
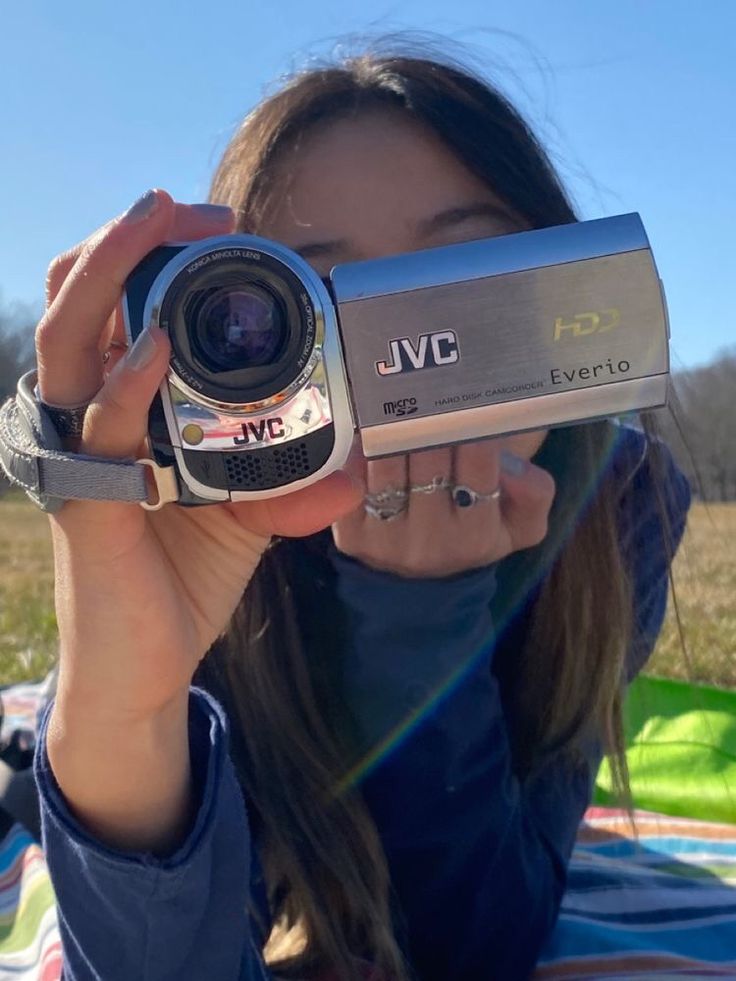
{"x":275,"y":466}
{"x":267,"y":467}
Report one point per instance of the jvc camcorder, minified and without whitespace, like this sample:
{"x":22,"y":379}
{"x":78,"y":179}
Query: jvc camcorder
{"x":273,"y":369}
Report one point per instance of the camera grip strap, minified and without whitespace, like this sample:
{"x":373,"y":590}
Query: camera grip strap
{"x":32,"y":456}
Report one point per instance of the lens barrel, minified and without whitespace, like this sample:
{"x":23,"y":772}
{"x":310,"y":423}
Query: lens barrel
{"x":242,"y":325}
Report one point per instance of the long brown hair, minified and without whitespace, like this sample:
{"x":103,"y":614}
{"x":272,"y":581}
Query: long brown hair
{"x":277,"y":667}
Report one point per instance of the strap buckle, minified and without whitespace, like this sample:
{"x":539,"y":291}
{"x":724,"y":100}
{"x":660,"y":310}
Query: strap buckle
{"x":164,"y":480}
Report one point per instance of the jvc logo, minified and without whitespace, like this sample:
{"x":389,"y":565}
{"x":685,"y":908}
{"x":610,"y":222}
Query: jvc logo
{"x":431,"y":351}
{"x":255,"y":432}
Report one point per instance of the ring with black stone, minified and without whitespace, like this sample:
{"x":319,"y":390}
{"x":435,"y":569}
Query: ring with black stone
{"x":466,"y":497}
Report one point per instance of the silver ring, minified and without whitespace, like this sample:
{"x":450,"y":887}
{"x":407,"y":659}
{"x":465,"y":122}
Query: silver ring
{"x":114,"y":346}
{"x":384,"y":512}
{"x":68,"y":422}
{"x":389,"y":495}
{"x":436,"y":483}
{"x":466,"y":497}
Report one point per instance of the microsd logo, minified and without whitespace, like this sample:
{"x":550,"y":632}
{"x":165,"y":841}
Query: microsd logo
{"x":430,"y":351}
{"x":401,"y":407}
{"x":587,"y":323}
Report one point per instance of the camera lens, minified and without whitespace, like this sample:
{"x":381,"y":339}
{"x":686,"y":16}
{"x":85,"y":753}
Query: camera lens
{"x":236,"y":327}
{"x":243,"y":325}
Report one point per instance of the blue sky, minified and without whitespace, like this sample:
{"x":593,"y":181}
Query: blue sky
{"x":636,"y":102}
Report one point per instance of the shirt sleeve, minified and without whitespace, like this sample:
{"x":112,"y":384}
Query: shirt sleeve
{"x":478,"y":859}
{"x":124,"y":915}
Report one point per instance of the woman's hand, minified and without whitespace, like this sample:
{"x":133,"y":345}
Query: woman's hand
{"x":140,"y":595}
{"x":435,"y":537}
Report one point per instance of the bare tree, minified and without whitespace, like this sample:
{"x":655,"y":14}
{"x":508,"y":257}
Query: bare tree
{"x":16,"y":352}
{"x":703,"y":432}
{"x":16,"y":345}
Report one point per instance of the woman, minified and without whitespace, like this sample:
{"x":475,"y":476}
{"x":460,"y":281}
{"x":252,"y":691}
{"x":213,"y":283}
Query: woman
{"x":417,"y":708}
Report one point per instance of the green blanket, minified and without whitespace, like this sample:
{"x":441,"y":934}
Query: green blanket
{"x":681,"y":750}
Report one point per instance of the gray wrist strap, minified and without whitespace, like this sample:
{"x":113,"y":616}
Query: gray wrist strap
{"x":32,"y":456}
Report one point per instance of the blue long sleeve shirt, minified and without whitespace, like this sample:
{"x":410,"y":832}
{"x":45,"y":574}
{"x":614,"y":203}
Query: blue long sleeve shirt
{"x":477,"y":858}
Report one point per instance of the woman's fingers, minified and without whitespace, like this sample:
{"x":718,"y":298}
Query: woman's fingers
{"x":117,"y":419}
{"x":70,"y":371}
{"x":190,"y":222}
{"x":388,"y":473}
{"x":527,"y":492}
{"x":477,"y":467}
{"x":435,"y":535}
{"x":426,"y":467}
{"x":85,"y":284}
{"x":305,"y":511}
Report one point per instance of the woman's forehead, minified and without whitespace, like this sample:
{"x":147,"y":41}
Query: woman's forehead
{"x":376,"y":175}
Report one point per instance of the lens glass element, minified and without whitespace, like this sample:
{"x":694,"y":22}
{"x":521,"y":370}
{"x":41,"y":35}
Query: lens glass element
{"x":236,"y":327}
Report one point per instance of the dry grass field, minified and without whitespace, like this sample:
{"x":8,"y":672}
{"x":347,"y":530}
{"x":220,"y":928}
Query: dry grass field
{"x":705,"y":594}
{"x":27,"y":620}
{"x":705,"y":583}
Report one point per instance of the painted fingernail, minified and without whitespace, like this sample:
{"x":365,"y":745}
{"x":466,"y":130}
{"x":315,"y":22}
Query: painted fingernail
{"x":214,"y":212}
{"x":512,"y":464}
{"x":141,"y":209}
{"x":141,"y":353}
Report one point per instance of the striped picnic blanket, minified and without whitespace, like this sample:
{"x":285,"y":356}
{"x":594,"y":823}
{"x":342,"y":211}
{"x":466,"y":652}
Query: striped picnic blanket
{"x":30,"y":947}
{"x":662,"y":906}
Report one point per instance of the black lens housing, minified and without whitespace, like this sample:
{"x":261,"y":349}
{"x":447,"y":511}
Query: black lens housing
{"x":201,"y":360}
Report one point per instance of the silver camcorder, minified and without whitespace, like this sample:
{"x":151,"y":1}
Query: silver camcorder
{"x":273,"y":369}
